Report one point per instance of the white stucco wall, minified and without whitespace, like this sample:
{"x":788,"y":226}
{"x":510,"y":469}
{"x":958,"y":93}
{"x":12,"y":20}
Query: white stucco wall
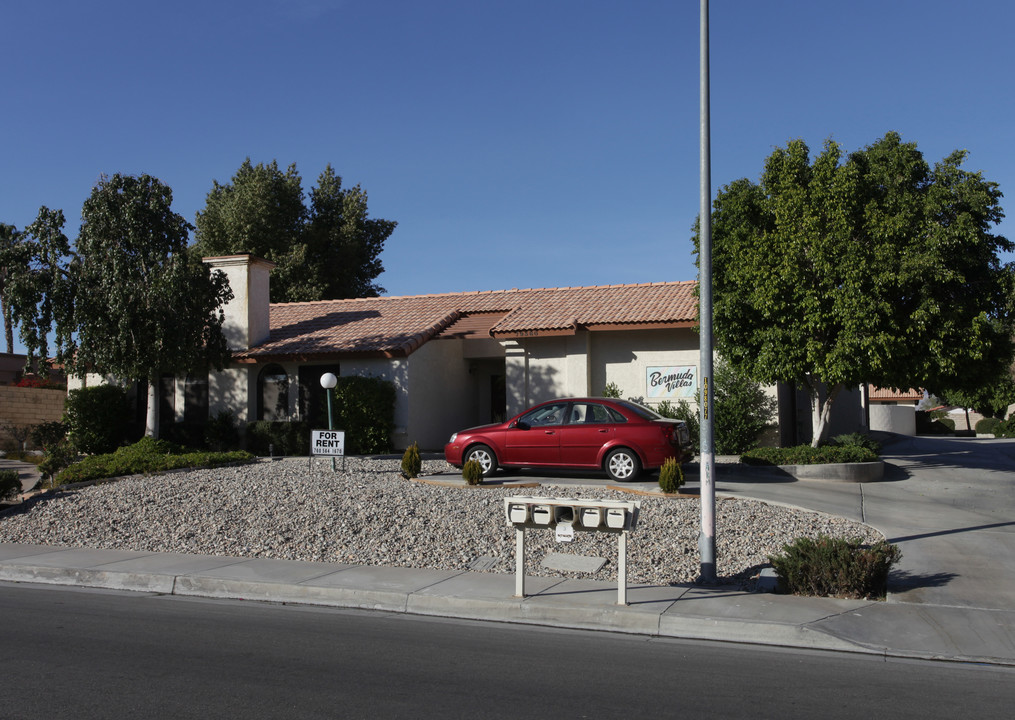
{"x":624,"y":357}
{"x":442,"y":394}
{"x":246,"y":315}
{"x":899,"y":419}
{"x":234,"y":390}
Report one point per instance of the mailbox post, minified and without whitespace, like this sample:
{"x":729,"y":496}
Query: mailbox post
{"x":615,"y":517}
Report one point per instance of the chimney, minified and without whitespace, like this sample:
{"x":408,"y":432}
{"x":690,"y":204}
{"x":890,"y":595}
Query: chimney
{"x":246,"y":315}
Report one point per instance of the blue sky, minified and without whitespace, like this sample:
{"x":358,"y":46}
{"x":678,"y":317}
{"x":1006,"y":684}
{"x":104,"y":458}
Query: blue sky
{"x":517,"y":144}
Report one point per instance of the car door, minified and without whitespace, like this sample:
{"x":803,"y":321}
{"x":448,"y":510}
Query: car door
{"x":589,"y":426}
{"x":535,"y":440}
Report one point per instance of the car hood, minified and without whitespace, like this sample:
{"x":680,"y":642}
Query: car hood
{"x":481,"y":428}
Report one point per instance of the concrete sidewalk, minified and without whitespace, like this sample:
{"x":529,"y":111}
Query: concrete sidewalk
{"x":947,"y":503}
{"x":710,"y":613}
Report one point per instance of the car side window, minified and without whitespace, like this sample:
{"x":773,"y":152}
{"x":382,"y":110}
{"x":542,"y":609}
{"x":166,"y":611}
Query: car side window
{"x":546,"y":415}
{"x":589,"y":414}
{"x":615,"y":416}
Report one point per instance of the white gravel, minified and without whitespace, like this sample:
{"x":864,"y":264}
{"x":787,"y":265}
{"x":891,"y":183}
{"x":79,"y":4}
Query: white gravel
{"x":370,"y":515}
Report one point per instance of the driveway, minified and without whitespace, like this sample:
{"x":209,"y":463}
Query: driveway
{"x":949,"y":503}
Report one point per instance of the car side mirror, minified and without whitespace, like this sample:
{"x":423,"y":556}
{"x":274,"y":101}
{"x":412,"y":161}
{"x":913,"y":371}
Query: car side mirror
{"x":520,"y":424}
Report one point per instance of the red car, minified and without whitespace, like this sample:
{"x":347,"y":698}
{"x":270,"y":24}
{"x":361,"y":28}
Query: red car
{"x":618,"y":436}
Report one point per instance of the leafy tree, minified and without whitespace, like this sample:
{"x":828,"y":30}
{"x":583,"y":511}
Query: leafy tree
{"x":38,"y":285}
{"x":870,"y":268}
{"x":143,"y":304}
{"x":328,"y":251}
{"x":990,"y":399}
{"x":131,"y":301}
{"x":742,"y":410}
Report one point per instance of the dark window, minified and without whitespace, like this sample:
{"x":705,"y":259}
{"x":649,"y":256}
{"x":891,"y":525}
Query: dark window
{"x":273,"y":393}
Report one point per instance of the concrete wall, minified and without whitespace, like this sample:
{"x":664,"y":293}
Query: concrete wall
{"x":30,"y":406}
{"x":899,"y":419}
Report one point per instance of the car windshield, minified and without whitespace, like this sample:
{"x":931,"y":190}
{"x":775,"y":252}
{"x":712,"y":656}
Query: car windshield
{"x":640,"y":410}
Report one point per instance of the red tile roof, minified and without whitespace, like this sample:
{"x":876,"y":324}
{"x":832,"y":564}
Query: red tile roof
{"x":396,"y":326}
{"x":877,"y":394}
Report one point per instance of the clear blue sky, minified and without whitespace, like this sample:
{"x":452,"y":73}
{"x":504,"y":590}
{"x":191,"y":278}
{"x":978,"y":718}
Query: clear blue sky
{"x":517,"y":144}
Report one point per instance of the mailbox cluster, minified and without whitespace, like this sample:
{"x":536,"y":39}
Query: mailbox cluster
{"x":603,"y":515}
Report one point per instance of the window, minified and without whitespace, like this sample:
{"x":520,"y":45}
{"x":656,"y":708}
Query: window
{"x":273,"y":393}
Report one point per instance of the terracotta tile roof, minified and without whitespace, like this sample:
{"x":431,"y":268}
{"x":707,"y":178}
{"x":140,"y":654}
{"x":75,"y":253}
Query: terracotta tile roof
{"x":396,"y":326}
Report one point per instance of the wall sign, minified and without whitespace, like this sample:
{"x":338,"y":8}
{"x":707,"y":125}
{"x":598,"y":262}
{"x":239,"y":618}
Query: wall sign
{"x":674,"y":381}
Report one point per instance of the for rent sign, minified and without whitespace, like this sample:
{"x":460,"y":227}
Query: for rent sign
{"x":675,"y":381}
{"x":327,"y":442}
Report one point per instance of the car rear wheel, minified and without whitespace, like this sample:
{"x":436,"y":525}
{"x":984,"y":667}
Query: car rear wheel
{"x":485,"y":457}
{"x":622,"y":464}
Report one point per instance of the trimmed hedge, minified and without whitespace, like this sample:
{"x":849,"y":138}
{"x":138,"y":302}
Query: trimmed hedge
{"x":807,"y":455}
{"x":280,"y":437}
{"x":96,"y":418}
{"x":143,"y":457}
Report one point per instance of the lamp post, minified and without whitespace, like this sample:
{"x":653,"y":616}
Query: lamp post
{"x":328,"y":382}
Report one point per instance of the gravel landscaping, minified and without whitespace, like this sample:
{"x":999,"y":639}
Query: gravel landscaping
{"x":369,"y":515}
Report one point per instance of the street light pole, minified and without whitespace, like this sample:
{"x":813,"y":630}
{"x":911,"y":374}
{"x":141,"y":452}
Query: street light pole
{"x":328,"y":382}
{"x":706,"y":538}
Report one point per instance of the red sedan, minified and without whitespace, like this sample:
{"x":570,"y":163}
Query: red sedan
{"x":618,"y":436}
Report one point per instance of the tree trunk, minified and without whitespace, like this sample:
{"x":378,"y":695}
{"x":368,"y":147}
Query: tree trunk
{"x":152,"y":420}
{"x":821,"y":413}
{"x":8,"y":328}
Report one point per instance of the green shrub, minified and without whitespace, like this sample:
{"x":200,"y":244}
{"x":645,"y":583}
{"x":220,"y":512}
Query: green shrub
{"x":366,"y":412}
{"x":612,"y":390}
{"x":742,"y":410}
{"x":282,"y":437}
{"x":49,"y":434}
{"x":96,"y":418}
{"x":411,"y":461}
{"x":683,"y":411}
{"x":10,"y":484}
{"x":860,"y":440}
{"x":57,"y":457}
{"x":472,"y":471}
{"x":987,"y":425}
{"x":835,"y":567}
{"x":671,"y":476}
{"x":806,"y":455}
{"x":221,"y":433}
{"x":143,"y":457}
{"x":188,"y":434}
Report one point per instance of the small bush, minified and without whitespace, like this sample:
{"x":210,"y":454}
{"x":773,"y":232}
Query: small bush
{"x":143,"y":457}
{"x":10,"y":484}
{"x":612,"y":390}
{"x":221,"y":433}
{"x":671,"y":476}
{"x":96,"y":418}
{"x":282,"y":437}
{"x":987,"y":425}
{"x":860,"y":440}
{"x":57,"y":457}
{"x":365,"y":410}
{"x":411,"y":462}
{"x":835,"y":567}
{"x":49,"y":434}
{"x":806,"y":455}
{"x":472,"y":471}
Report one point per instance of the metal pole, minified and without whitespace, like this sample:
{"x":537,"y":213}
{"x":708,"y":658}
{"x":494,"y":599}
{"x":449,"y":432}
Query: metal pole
{"x":706,"y":538}
{"x":519,"y":561}
{"x":331,"y":426}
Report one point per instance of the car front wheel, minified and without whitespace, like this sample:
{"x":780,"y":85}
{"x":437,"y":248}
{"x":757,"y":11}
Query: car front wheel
{"x":622,"y":464}
{"x":485,"y":457}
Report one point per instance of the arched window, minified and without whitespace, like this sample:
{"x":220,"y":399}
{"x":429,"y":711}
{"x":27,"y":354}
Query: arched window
{"x":273,"y":393}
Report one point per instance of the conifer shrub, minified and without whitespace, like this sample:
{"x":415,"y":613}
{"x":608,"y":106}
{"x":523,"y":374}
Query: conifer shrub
{"x":807,"y":455}
{"x":472,"y":471}
{"x":835,"y":567}
{"x":671,"y":476}
{"x":143,"y":457}
{"x":411,"y":461}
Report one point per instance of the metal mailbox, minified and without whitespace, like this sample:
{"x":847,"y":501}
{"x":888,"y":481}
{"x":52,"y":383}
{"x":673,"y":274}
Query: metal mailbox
{"x":617,"y":517}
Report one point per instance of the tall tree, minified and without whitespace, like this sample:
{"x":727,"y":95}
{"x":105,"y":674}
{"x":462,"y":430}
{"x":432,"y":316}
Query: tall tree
{"x":327,"y":251}
{"x":143,"y":304}
{"x":38,"y":286}
{"x":131,"y":301}
{"x":870,"y":268}
{"x":9,"y":239}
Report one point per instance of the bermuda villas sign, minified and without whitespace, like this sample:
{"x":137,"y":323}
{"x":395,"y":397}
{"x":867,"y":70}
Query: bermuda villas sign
{"x":675,"y":381}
